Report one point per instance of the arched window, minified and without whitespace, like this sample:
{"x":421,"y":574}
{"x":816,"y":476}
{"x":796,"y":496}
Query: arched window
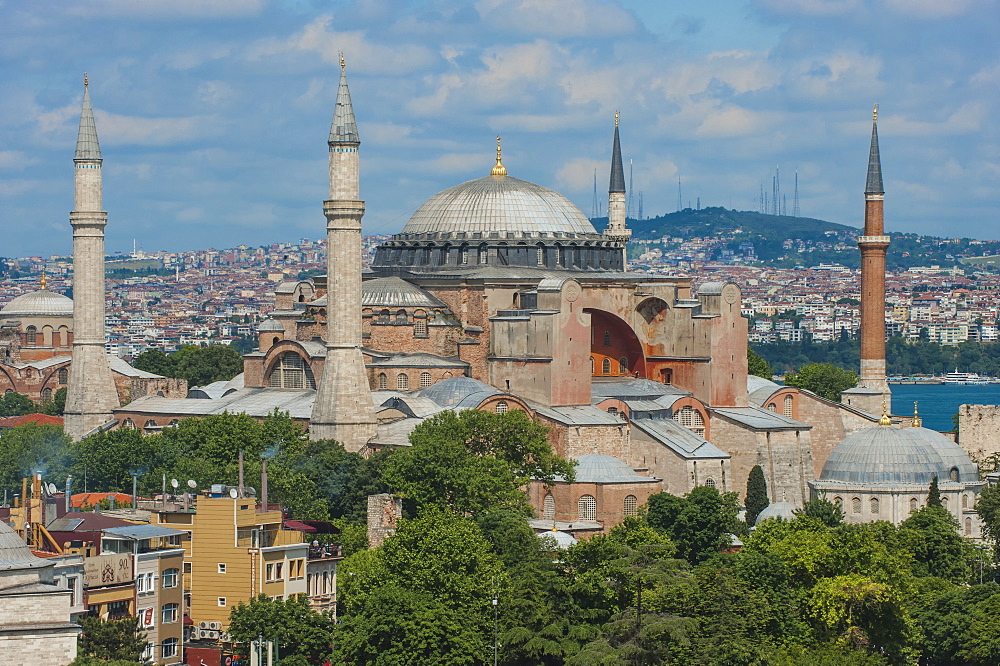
{"x":484,"y":254}
{"x":557,"y":255}
{"x":606,"y":366}
{"x":710,"y":483}
{"x":464,"y":254}
{"x":46,"y":394}
{"x":873,"y":504}
{"x":501,"y":407}
{"x":968,"y":527}
{"x":383,"y":381}
{"x":773,"y":407}
{"x":631,"y":505}
{"x":420,"y":328}
{"x":425,"y":379}
{"x":787,"y":408}
{"x":839,"y":501}
{"x":401,"y":317}
{"x":953,"y":474}
{"x":623,"y":366}
{"x":383,"y":317}
{"x":587,"y":507}
{"x":913,"y":504}
{"x":613,"y":410}
{"x":128,"y":423}
{"x":691,"y":418}
{"x":402,"y":381}
{"x":62,"y":376}
{"x":965,"y":501}
{"x":540,"y":255}
{"x":31,"y":335}
{"x":855,"y":505}
{"x":168,"y":613}
{"x":592,"y":366}
{"x":607,"y":338}
{"x":549,"y":507}
{"x":291,"y":372}
{"x":150,"y":424}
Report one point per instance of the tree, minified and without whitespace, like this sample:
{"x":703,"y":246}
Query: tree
{"x":824,"y":379}
{"x":931,"y":536}
{"x":204,"y":365}
{"x":474,"y":461}
{"x":16,"y":404}
{"x":296,"y":628}
{"x":988,"y":508}
{"x":30,"y":447}
{"x":699,"y":524}
{"x":756,"y":500}
{"x":822,"y":509}
{"x":933,"y":494}
{"x":756,"y":365}
{"x":155,"y":361}
{"x":112,"y":640}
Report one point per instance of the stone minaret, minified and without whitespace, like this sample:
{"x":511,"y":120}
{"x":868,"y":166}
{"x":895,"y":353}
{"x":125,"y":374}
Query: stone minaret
{"x":343,"y":410}
{"x":91,"y":393}
{"x":873,"y":388}
{"x":616,"y":230}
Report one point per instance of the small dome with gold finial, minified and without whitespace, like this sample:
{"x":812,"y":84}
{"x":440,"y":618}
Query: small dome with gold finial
{"x":499,"y":169}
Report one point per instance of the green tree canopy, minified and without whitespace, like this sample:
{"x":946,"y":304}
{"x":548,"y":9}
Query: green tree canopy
{"x":297,"y":629}
{"x":16,"y":404}
{"x":112,"y":640}
{"x":823,"y":379}
{"x":823,"y":510}
{"x":700,"y":523}
{"x":198,"y":365}
{"x":756,"y":365}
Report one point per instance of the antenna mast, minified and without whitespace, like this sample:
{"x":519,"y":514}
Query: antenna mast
{"x":595,"y":210}
{"x":795,"y":199}
{"x":630,"y":212}
{"x":680,"y":203}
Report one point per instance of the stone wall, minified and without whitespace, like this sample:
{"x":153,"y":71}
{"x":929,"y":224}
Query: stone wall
{"x":384,"y":512}
{"x":979,"y":430}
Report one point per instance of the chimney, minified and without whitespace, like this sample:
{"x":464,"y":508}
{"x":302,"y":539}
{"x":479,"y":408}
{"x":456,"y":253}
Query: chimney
{"x":69,"y":493}
{"x":240,"y":482}
{"x":263,"y":484}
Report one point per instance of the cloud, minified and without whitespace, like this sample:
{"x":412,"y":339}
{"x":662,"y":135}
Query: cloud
{"x":932,"y":9}
{"x":166,"y":9}
{"x":811,"y":7}
{"x":559,"y":18}
{"x":727,"y":123}
{"x":967,"y":119}
{"x":117,"y":129}
{"x":577,"y":175}
{"x":15,"y":159}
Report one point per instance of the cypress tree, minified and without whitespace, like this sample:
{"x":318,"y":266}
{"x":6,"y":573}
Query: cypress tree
{"x":933,"y":494}
{"x":756,"y":500}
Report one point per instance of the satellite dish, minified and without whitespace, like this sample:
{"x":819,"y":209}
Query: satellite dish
{"x":173,"y":483}
{"x":52,"y":489}
{"x":233,"y":493}
{"x":192,"y":483}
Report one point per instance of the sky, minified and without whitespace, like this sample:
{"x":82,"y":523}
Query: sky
{"x":213,"y":114}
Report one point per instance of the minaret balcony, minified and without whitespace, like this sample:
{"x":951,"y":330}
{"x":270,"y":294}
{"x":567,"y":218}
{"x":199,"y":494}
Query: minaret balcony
{"x":873,"y":240}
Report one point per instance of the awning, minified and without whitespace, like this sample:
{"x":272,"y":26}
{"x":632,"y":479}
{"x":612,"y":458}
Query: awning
{"x":296,"y":525}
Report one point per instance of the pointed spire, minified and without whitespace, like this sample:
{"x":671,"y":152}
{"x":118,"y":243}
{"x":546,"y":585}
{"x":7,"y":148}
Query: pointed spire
{"x":498,"y":169}
{"x":344,"y":129}
{"x":617,"y":169}
{"x":87,"y":147}
{"x":874,"y":184}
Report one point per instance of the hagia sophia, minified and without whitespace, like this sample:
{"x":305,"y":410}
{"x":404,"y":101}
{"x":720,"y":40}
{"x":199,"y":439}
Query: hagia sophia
{"x":500,"y":295}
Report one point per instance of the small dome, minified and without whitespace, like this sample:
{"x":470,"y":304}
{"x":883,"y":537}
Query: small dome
{"x":888,"y":455}
{"x":776,"y":510}
{"x":392,"y":292}
{"x":270,"y":326}
{"x":41,"y":303}
{"x":599,"y":468}
{"x":454,"y":391}
{"x":562,"y":539}
{"x":498,"y":204}
{"x":14,"y":553}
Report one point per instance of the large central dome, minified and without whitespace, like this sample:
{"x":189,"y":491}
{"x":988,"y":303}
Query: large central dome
{"x":501,"y":205}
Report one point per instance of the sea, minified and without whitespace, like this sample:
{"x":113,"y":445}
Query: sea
{"x":937,"y":403}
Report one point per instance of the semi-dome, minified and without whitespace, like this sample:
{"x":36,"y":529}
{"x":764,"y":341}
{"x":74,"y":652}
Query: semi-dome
{"x":782,"y":510}
{"x":270,"y":326}
{"x":14,"y":553}
{"x":887,"y":455}
{"x":499,"y":205}
{"x":41,"y":303}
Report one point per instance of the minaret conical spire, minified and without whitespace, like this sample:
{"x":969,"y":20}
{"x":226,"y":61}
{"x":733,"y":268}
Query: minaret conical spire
{"x":344,"y":129}
{"x":874,"y":183}
{"x":617,"y":169}
{"x":87,"y":147}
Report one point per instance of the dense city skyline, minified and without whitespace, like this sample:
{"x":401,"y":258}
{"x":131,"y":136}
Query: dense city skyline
{"x":213,"y":115}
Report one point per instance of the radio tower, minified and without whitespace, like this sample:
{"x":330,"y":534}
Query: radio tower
{"x":795,"y":198}
{"x":630,"y":211}
{"x":640,"y":206}
{"x":680,"y":203}
{"x":595,"y":209}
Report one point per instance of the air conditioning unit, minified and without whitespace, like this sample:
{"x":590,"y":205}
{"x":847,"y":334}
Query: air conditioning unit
{"x":215,"y":626}
{"x":204,"y":633}
{"x":225,"y":637}
{"x":213,"y":635}
{"x":204,"y":625}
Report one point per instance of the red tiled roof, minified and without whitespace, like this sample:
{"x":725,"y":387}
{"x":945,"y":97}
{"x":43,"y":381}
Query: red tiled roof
{"x":40,"y":419}
{"x":92,"y":499}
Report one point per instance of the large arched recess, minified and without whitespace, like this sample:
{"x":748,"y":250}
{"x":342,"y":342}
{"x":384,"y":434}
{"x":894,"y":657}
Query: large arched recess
{"x":612,"y":338}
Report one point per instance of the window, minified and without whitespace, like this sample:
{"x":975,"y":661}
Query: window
{"x":773,"y":407}
{"x":465,"y":254}
{"x":593,"y":368}
{"x":169,"y":647}
{"x":710,"y":483}
{"x":425,"y":379}
{"x":144,"y":583}
{"x":47,"y":394}
{"x":631,"y":505}
{"x":222,"y":568}
{"x":691,"y":418}
{"x":968,"y":527}
{"x":269,"y":572}
{"x":383,"y":381}
{"x":873,"y":504}
{"x":401,"y":317}
{"x":787,"y":408}
{"x":63,"y":375}
{"x":383,"y":317}
{"x":222,"y":602}
{"x":549,"y":507}
{"x":402,"y":382}
{"x":607,"y":338}
{"x":31,"y":335}
{"x":291,"y":372}
{"x":855,"y":505}
{"x":613,"y":410}
{"x":965,"y":501}
{"x":839,"y":501}
{"x":150,"y":424}
{"x":128,"y":423}
{"x":913,"y":504}
{"x":623,"y":366}
{"x":587,"y":507}
{"x":501,"y":407}
{"x":606,"y":366}
{"x":168,"y":613}
{"x":420,"y":328}
{"x":484,"y":255}
{"x":954,"y":474}
{"x":540,"y":255}
{"x":169,"y":578}
{"x":278,"y":574}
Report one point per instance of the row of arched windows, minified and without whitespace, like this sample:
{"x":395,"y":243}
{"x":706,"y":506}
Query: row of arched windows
{"x":403,"y":381}
{"x":586,"y":507}
{"x":59,"y":338}
{"x":606,"y":366}
{"x":691,"y":418}
{"x":586,"y":254}
{"x":786,"y":406}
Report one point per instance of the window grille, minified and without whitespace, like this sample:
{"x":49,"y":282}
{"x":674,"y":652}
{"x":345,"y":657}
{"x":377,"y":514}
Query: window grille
{"x":787,"y":410}
{"x":425,"y":379}
{"x":631,"y":505}
{"x":383,"y":381}
{"x":874,"y":506}
{"x":502,"y":407}
{"x":549,"y":507}
{"x":402,"y":382}
{"x":587,"y":507}
{"x":855,"y":505}
{"x":606,"y":366}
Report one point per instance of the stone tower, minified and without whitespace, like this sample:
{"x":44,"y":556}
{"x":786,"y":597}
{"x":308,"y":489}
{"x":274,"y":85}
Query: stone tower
{"x":616,"y":230}
{"x":872,"y":391}
{"x":343,"y":410}
{"x":91,"y":393}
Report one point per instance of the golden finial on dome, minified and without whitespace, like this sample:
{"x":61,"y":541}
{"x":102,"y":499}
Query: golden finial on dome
{"x":43,"y":279}
{"x":343,"y":63}
{"x":885,"y":420}
{"x":917,"y":421}
{"x":498,"y":169}
{"x":85,"y":82}
{"x":875,"y":114}
{"x":616,"y":119}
